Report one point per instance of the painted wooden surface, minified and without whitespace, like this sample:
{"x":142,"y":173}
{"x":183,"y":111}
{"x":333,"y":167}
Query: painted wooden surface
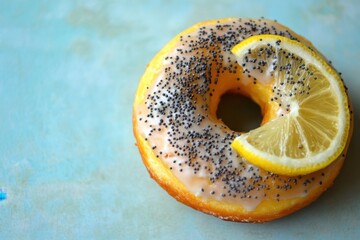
{"x":69,"y":168}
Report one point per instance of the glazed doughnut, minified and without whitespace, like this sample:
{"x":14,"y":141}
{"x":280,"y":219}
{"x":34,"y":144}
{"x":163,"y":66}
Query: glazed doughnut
{"x":186,"y":147}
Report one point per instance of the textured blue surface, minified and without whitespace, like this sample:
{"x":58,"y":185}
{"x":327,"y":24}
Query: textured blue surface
{"x":68,"y":74}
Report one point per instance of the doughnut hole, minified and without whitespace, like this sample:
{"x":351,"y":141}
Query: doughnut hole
{"x":238,"y":112}
{"x":239,"y":103}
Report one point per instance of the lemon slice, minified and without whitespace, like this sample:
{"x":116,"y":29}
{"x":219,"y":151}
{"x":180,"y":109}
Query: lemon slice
{"x":312,"y":120}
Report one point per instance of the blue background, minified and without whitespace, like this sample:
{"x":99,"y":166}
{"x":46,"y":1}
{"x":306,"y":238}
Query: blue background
{"x":69,"y":168}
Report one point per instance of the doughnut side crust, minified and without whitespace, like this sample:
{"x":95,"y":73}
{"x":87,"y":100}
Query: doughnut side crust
{"x":268,"y":209}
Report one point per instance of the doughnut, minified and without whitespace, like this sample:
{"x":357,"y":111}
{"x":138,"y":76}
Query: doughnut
{"x":187,"y":149}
